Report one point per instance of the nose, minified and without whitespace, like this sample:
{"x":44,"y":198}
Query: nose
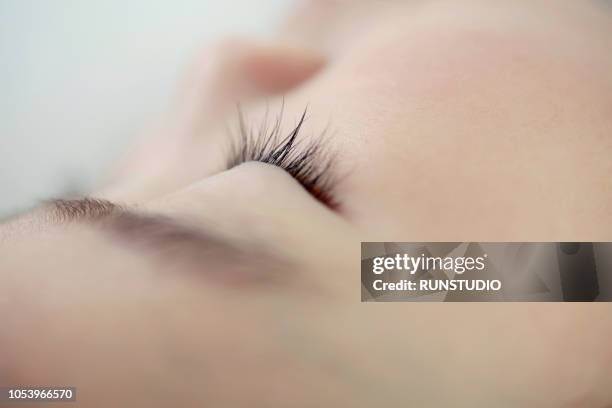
{"x":177,"y":152}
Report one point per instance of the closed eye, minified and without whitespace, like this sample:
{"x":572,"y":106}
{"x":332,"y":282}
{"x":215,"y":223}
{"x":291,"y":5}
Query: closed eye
{"x":307,"y":162}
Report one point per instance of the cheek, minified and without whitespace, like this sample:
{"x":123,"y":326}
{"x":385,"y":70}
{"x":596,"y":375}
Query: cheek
{"x":438,"y":115}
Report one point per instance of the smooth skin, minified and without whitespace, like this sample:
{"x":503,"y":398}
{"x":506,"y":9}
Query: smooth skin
{"x":449,"y":121}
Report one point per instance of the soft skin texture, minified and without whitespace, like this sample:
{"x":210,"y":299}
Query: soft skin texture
{"x":467,"y":121}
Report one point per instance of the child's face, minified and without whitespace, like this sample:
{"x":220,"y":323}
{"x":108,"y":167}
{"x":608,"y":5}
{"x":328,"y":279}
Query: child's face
{"x":487,"y":121}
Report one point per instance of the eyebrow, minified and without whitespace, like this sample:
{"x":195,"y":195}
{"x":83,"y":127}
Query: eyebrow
{"x":84,"y":208}
{"x":174,"y":241}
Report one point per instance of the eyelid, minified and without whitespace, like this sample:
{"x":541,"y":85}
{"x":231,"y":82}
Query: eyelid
{"x":307,"y":162}
{"x":208,"y":255}
{"x":212,"y":257}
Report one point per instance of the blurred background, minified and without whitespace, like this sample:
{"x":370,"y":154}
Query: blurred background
{"x":80,"y":79}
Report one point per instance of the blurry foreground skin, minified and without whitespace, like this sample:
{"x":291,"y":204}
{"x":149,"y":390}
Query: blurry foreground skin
{"x":471,"y":121}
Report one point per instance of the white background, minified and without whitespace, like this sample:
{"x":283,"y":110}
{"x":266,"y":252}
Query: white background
{"x":80,"y":78}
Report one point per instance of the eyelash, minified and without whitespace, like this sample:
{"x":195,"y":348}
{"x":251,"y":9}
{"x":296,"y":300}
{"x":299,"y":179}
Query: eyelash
{"x":306,"y":162}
